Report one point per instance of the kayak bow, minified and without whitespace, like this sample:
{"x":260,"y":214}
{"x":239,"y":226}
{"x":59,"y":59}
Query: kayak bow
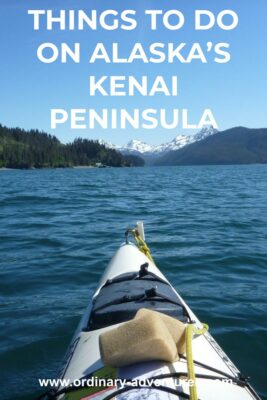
{"x":132,"y":282}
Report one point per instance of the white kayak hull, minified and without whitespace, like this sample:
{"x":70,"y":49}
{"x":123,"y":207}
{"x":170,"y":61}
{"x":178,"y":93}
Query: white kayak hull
{"x":84,"y":357}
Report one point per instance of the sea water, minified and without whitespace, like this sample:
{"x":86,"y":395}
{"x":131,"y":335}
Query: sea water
{"x":207,"y":230}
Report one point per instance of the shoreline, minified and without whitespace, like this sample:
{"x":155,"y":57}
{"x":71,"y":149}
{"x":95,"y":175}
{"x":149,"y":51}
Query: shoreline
{"x":74,"y":167}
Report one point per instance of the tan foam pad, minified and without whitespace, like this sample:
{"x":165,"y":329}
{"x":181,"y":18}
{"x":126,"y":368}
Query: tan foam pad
{"x":175,"y":327}
{"x":142,"y":339}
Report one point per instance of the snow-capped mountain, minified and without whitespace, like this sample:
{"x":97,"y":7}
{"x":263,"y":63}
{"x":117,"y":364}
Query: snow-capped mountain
{"x":205,"y":132}
{"x":136,"y":146}
{"x":177,"y":143}
{"x":150,"y":152}
{"x":109,"y":145}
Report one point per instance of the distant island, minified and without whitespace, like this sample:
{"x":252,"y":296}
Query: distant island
{"x":34,"y":149}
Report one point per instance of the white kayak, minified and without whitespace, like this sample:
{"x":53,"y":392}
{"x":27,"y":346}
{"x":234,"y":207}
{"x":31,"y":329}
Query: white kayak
{"x":130,"y":282}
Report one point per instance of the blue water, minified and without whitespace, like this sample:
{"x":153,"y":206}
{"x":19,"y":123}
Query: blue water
{"x":206,"y":227}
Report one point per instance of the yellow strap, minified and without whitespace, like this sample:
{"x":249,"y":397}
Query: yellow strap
{"x":190,"y":331}
{"x":141,"y":244}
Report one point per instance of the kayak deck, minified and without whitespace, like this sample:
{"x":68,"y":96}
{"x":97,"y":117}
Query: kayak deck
{"x":121,"y":292}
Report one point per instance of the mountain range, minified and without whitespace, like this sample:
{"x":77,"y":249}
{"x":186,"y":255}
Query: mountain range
{"x":150,"y":153}
{"x":35,"y":149}
{"x":237,"y":145}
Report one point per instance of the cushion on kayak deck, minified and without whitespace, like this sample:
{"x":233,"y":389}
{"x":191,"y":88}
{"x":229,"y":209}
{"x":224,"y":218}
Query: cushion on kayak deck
{"x":142,"y":339}
{"x":175,"y":327}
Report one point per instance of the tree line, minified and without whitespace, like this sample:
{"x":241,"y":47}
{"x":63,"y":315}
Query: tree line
{"x":34,"y":149}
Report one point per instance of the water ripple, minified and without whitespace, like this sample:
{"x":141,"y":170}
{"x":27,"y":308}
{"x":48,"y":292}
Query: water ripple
{"x":207,"y":229}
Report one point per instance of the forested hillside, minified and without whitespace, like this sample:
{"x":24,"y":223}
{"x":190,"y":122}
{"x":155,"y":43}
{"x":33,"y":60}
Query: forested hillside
{"x":35,"y":149}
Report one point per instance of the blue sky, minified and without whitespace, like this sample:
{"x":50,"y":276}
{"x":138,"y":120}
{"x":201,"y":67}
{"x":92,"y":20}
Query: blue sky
{"x":236,"y":92}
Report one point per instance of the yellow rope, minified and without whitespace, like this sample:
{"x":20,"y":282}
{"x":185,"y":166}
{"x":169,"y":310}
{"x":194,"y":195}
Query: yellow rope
{"x":190,"y":331}
{"x":141,"y":244}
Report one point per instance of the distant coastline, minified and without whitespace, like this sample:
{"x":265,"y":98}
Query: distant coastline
{"x":235,"y":146}
{"x":33,"y":169}
{"x":20,"y":149}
